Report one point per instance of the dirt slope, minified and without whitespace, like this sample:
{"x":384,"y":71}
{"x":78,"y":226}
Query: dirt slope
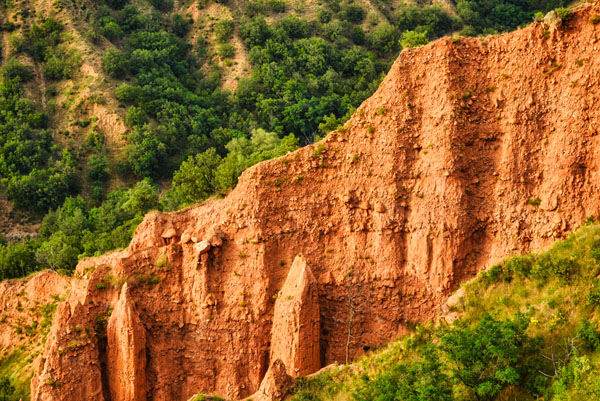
{"x":468,"y":151}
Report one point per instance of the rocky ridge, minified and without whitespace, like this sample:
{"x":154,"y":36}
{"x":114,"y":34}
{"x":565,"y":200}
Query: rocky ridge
{"x":471,"y":149}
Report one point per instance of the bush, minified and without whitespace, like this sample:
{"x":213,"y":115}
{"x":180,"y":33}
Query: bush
{"x":519,"y":265}
{"x":384,"y":39}
{"x":41,"y":190}
{"x":180,"y":25}
{"x":353,"y":13}
{"x":14,"y":69}
{"x":116,"y":4}
{"x":490,"y":356}
{"x":163,"y":5}
{"x":554,"y":264}
{"x":564,"y":14}
{"x":127,"y":93}
{"x":588,"y":334}
{"x":423,"y":380}
{"x":112,"y":31}
{"x":114,"y":62}
{"x":17,"y":42}
{"x":595,"y":250}
{"x":226,"y":51}
{"x":8,"y":392}
{"x":98,"y":168}
{"x":18,"y":260}
{"x":413,"y":39}
{"x":58,"y":66}
{"x":593,"y":297}
{"x":224,"y":30}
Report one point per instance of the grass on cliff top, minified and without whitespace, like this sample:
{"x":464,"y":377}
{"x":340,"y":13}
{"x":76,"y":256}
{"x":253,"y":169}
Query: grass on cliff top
{"x":528,"y":331}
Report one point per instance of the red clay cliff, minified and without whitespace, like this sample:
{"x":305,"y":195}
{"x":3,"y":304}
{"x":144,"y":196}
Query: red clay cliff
{"x":470,"y":150}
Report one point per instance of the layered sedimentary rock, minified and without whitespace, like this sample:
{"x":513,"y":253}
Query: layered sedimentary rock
{"x":470,"y":150}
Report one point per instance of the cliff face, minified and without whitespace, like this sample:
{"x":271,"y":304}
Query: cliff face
{"x":468,"y":151}
{"x":26,"y":308}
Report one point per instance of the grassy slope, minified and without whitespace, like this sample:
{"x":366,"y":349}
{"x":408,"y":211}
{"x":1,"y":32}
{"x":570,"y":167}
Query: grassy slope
{"x":31,"y":329}
{"x":555,"y":304}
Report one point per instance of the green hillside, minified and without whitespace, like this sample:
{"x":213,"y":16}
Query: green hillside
{"x":528,"y":330}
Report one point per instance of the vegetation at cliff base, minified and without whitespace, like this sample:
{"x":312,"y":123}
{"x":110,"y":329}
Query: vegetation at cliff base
{"x":529,"y":329}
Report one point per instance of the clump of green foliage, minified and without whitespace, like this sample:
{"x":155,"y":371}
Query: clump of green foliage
{"x":526,"y":331}
{"x":563,"y":13}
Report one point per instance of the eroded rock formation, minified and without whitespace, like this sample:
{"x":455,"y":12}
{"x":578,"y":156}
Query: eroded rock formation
{"x":126,"y":352}
{"x":471,"y":149}
{"x":296,"y":322}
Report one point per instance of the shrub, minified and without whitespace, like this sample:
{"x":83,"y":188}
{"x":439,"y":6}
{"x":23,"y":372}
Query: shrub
{"x":127,"y":93}
{"x":226,"y":51}
{"x":15,"y":69}
{"x":179,"y":25}
{"x":593,"y":297}
{"x":58,"y":66}
{"x":554,"y":264}
{"x":520,"y":265}
{"x":384,"y":39}
{"x":413,"y":39}
{"x":595,"y":250}
{"x":564,"y":14}
{"x":491,"y":356}
{"x":594,"y":19}
{"x":588,"y":334}
{"x":98,"y":168}
{"x":195,"y":179}
{"x":492,"y":275}
{"x":112,"y":31}
{"x":224,"y":30}
{"x":18,"y":260}
{"x":114,"y":62}
{"x":319,"y":150}
{"x":161,"y":261}
{"x":17,"y":42}
{"x":353,"y":13}
{"x":116,"y":4}
{"x":423,"y":380}
{"x":163,"y":5}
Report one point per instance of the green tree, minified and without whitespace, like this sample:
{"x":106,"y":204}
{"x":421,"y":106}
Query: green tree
{"x":195,"y":179}
{"x":180,"y":25}
{"x":416,"y":381}
{"x":224,"y":30}
{"x":17,"y":260}
{"x":14,"y":69}
{"x":58,"y":252}
{"x":114,"y":62}
{"x":490,"y":356}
